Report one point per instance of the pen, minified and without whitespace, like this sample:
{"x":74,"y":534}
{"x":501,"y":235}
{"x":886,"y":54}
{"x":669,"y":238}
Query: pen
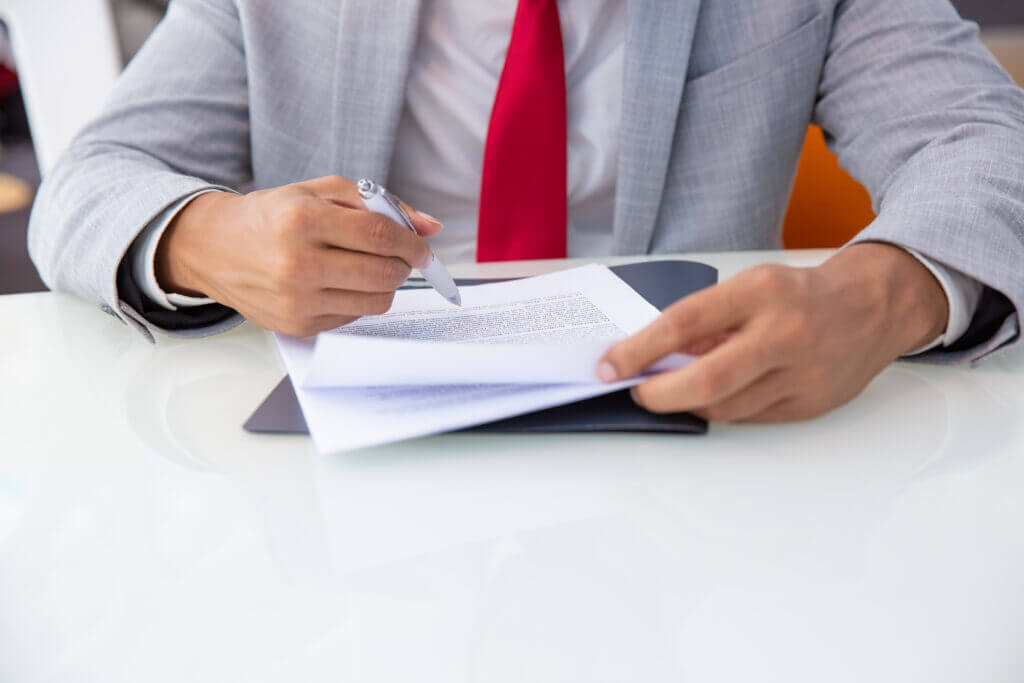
{"x":379,"y":200}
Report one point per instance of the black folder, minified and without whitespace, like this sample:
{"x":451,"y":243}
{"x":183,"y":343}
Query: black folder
{"x":660,"y":282}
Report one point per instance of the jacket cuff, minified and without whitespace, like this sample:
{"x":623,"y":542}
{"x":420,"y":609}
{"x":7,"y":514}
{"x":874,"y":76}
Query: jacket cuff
{"x":962,"y":296}
{"x":142,"y":259}
{"x":121,"y":295}
{"x":995,"y":324}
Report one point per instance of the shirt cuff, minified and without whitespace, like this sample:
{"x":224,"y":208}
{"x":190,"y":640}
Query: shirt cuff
{"x":962,"y":293}
{"x":143,"y":259}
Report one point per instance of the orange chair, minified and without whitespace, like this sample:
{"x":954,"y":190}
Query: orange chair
{"x":828,"y":207}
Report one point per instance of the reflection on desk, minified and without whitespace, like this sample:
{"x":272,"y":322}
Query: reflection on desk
{"x":145,"y":536}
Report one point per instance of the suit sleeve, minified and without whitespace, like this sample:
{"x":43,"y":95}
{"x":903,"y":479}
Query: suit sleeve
{"x":918,"y":110}
{"x":177,"y":123}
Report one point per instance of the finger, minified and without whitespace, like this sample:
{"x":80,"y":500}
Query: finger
{"x":333,"y":322}
{"x":701,"y":347}
{"x":308,"y":327}
{"x":371,"y":233}
{"x":710,"y":312}
{"x":343,"y":192}
{"x":807,"y":405}
{"x":787,"y":410}
{"x":299,"y":315}
{"x":344,"y":303}
{"x":336,"y":189}
{"x":709,"y":379}
{"x":771,"y":388}
{"x":357,"y":271}
{"x":425,"y":224}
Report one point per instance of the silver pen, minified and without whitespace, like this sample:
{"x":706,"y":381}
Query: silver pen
{"x":379,"y":200}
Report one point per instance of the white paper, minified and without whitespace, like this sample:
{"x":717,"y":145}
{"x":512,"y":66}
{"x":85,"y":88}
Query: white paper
{"x":402,"y":387}
{"x":552,"y":329}
{"x":360,"y":361}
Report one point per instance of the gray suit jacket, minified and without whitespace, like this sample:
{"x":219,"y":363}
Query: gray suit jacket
{"x":718,"y":96}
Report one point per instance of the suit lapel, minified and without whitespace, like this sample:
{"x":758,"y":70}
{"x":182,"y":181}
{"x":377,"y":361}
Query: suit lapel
{"x":375,"y":43}
{"x":658,"y":43}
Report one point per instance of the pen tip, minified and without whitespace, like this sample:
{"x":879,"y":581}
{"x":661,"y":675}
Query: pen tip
{"x":456,"y":298}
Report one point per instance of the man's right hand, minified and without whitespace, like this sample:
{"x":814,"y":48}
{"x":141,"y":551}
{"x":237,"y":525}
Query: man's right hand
{"x":298,"y":259}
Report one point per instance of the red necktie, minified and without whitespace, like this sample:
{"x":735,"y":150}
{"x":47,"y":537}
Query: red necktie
{"x":523,"y":191}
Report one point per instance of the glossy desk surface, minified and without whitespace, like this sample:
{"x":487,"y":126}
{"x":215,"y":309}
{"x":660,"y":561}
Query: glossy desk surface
{"x":145,"y":537}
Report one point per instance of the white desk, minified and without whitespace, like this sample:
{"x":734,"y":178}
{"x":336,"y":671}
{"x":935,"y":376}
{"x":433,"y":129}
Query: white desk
{"x":145,"y":537}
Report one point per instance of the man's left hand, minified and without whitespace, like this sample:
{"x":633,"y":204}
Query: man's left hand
{"x":777,"y":343}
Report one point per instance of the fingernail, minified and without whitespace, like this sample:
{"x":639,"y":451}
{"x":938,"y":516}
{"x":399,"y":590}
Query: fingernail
{"x":606,"y":372}
{"x":429,"y":218}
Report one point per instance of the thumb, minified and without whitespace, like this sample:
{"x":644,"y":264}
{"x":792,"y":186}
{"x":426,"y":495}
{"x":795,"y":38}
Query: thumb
{"x":425,"y":224}
{"x":344,"y":192}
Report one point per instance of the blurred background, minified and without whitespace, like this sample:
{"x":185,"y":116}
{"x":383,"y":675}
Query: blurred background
{"x":1002,"y":23}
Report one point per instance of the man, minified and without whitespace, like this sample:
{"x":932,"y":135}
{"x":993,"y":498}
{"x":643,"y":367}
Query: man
{"x":536,"y":130}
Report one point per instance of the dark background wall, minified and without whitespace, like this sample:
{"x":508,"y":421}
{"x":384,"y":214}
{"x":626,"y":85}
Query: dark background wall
{"x":992,"y":12}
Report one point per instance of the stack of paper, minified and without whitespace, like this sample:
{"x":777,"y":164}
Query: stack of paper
{"x":427,"y":366}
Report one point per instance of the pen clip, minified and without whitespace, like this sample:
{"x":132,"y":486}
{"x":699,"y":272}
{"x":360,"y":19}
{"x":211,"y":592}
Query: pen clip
{"x":398,"y":205}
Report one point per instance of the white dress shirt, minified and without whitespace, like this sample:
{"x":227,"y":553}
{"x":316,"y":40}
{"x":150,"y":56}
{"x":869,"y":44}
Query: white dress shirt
{"x":438,"y":158}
